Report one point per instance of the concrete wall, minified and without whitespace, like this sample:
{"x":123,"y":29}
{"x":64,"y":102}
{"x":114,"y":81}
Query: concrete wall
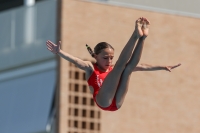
{"x":178,"y":6}
{"x":156,"y":101}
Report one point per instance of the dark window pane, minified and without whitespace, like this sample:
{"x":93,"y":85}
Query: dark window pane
{"x":76,"y":112}
{"x":84,"y":113}
{"x":84,"y":101}
{"x":84,"y":78}
{"x":91,"y":125}
{"x":99,"y":126}
{"x":83,"y":125}
{"x":92,"y":114}
{"x":76,"y":99}
{"x":76,"y":88}
{"x":76,"y":75}
{"x":75,"y":123}
{"x":91,"y":102}
{"x":70,"y":99}
{"x":69,"y":111}
{"x":69,"y":123}
{"x":84,"y":88}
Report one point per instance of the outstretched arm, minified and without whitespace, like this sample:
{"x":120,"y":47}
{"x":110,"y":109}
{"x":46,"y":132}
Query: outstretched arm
{"x":147,"y":67}
{"x":55,"y":48}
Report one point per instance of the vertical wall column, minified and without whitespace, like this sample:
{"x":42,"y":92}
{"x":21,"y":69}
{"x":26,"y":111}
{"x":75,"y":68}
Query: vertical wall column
{"x":30,"y":22}
{"x":29,"y":2}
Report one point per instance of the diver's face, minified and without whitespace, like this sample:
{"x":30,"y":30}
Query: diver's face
{"x":104,"y":58}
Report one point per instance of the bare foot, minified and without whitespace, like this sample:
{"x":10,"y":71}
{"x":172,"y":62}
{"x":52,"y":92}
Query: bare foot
{"x":145,"y":27}
{"x":138,"y":27}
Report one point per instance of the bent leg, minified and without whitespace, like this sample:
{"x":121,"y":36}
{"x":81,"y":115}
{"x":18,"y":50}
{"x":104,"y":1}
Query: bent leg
{"x":110,"y":84}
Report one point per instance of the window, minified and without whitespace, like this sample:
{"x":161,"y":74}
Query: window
{"x":92,"y":113}
{"x":83,"y":113}
{"x":75,"y":112}
{"x":76,"y":75}
{"x":83,"y":125}
{"x":91,"y":102}
{"x":76,"y":87}
{"x":91,"y":125}
{"x":76,"y":99}
{"x":75,"y":123}
{"x":84,"y":88}
{"x":84,"y":101}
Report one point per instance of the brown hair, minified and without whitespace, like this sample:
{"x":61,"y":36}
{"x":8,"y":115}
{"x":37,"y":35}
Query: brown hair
{"x":97,"y":49}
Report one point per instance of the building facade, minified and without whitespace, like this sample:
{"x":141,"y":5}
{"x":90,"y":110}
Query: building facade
{"x":157,"y":101}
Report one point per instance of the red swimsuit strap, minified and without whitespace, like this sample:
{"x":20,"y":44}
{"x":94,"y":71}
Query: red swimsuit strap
{"x":96,"y":68}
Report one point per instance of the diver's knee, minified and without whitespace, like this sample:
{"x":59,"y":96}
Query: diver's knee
{"x":103,"y":102}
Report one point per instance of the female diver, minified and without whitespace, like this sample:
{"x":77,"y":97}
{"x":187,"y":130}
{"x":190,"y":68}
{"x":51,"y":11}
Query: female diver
{"x":108,"y":83}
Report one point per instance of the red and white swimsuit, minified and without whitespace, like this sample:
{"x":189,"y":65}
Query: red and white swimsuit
{"x":96,"y":80}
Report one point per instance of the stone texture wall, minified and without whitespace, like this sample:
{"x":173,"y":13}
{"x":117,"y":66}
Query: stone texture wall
{"x":156,"y":101}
